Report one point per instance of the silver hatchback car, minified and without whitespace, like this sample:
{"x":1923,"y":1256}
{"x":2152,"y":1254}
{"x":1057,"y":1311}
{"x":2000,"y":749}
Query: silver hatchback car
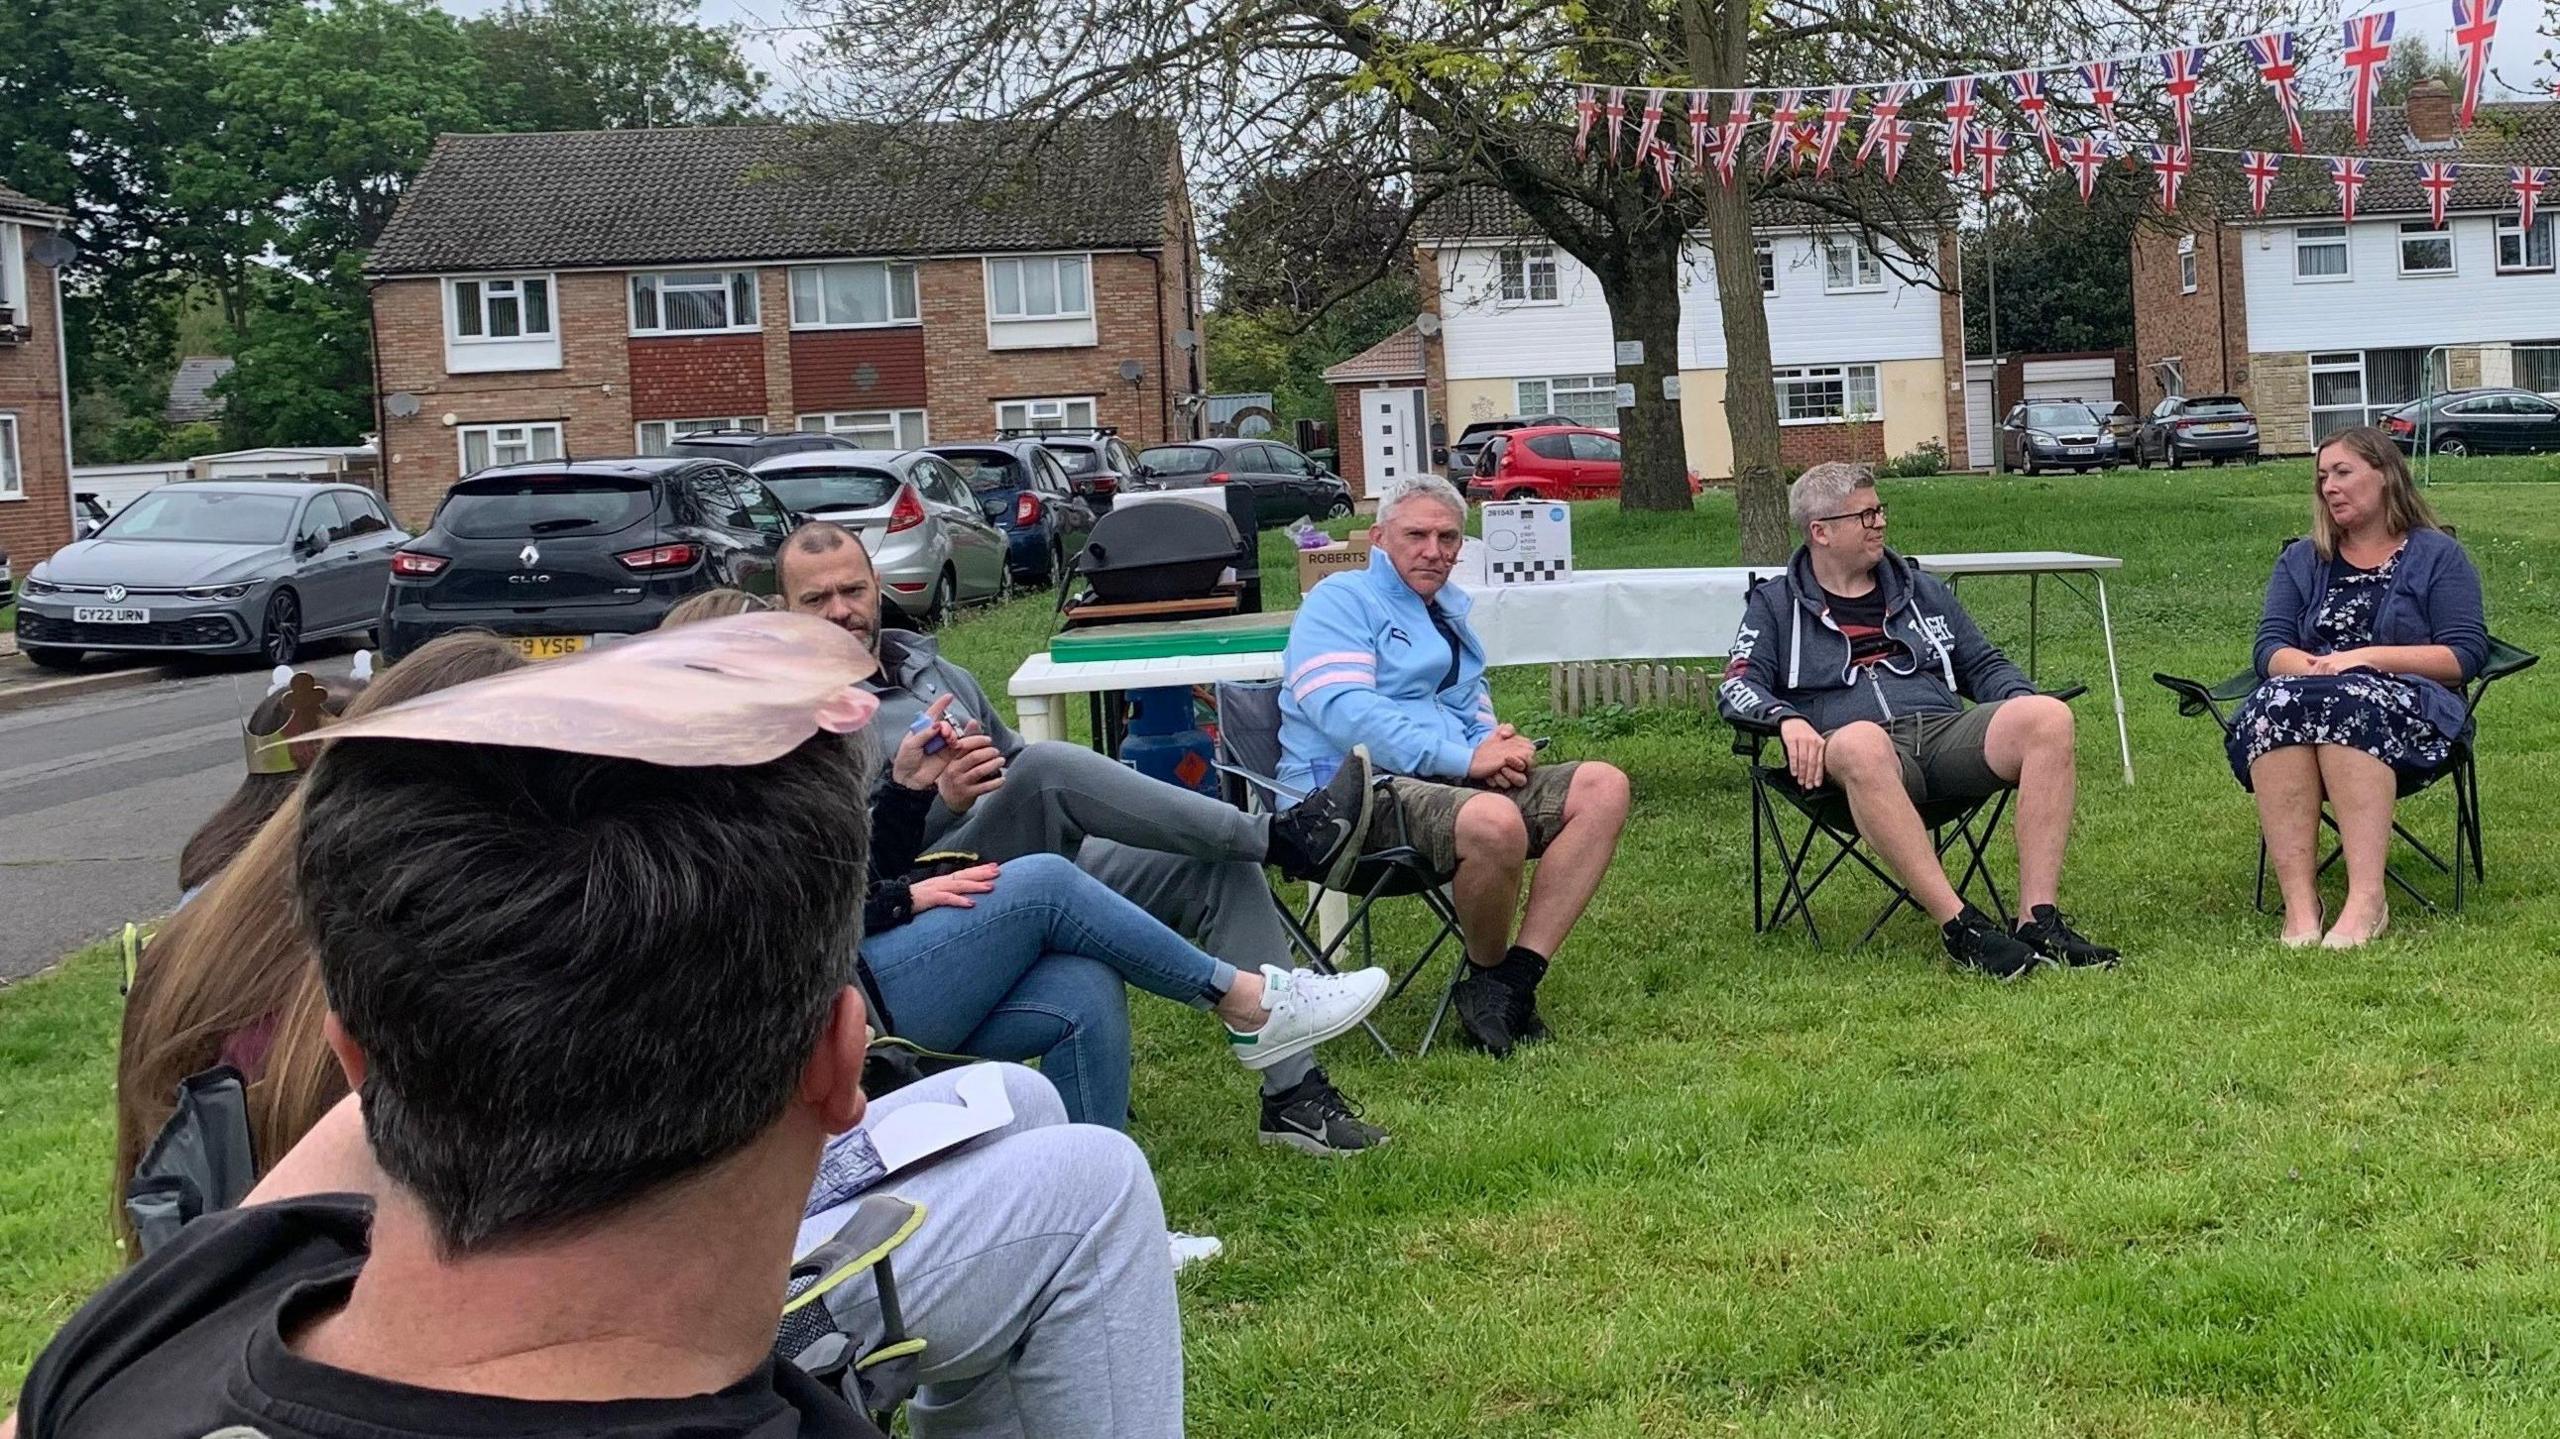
{"x":215,"y":567}
{"x":930,"y":544}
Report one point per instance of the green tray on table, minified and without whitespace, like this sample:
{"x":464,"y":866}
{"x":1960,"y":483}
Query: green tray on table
{"x":1223,"y":635}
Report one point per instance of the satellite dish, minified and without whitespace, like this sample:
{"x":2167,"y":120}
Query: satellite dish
{"x":53,"y":250}
{"x":1132,"y":371}
{"x":1186,"y":339}
{"x":1426,"y":324}
{"x":400,"y":406}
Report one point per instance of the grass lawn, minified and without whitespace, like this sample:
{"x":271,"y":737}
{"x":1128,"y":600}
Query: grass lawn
{"x":1755,"y":1188}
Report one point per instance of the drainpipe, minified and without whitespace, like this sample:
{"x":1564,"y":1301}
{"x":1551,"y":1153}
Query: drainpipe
{"x":62,"y":377}
{"x":1164,"y":377}
{"x":381,"y":420}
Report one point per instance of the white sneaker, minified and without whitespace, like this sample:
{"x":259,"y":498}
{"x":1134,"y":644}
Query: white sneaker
{"x":1306,"y":1009}
{"x":1189,"y":1249}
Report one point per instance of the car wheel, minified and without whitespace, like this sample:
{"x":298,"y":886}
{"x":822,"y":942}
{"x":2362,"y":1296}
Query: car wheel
{"x":2453,"y":445}
{"x":2027,"y":466}
{"x":47,"y":657}
{"x":280,"y":638}
{"x":1339,"y":509}
{"x":2174,"y":460}
{"x":937,"y":605}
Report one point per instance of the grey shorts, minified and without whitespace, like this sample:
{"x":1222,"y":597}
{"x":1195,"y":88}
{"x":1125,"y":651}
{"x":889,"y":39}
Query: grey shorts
{"x":1944,"y":756}
{"x":1424,"y":813}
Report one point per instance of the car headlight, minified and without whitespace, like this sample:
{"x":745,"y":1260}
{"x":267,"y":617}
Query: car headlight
{"x":42,"y":587}
{"x":215,"y":592}
{"x":2041,"y":437}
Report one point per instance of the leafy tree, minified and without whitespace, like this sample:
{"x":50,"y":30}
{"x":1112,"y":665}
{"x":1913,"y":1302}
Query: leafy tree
{"x":2059,"y":273}
{"x":1301,"y":240}
{"x":1285,"y":353}
{"x":612,"y":65}
{"x":304,"y":371}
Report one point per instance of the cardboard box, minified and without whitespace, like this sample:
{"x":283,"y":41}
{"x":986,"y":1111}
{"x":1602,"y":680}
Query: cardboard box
{"x":1528,"y":542}
{"x":1314,"y":565}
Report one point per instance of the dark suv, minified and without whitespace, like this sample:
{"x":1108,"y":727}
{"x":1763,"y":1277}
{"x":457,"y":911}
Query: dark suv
{"x":1099,"y":463}
{"x":556,"y":555}
{"x":745,"y":448}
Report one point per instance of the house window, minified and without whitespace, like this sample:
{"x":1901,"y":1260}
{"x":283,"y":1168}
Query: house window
{"x":656,"y":436}
{"x":1849,"y":266}
{"x":2537,"y":366}
{"x":1584,"y":399}
{"x":493,"y":309}
{"x":2359,"y":387}
{"x":1062,"y":414}
{"x":2319,"y":252}
{"x":13,"y":484}
{"x":2186,"y":264}
{"x":1529,"y":274}
{"x":870,"y":292}
{"x":486,"y":445}
{"x":2522,"y":251}
{"x":13,"y":274}
{"x":691,"y":301}
{"x":1038,"y":287}
{"x":2425,"y":249}
{"x":1814,"y":394}
{"x":1768,"y":257}
{"x":871,"y":429}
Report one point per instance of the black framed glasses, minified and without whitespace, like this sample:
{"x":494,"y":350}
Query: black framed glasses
{"x":1870,"y":518}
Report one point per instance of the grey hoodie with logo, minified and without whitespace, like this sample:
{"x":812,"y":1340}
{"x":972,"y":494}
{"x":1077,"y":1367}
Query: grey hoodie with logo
{"x":1789,"y":659}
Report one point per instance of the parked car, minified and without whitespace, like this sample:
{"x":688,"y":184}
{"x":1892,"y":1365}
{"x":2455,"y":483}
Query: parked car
{"x":1024,"y":490}
{"x":2055,"y":435}
{"x":1098,"y":461}
{"x":1551,"y":462}
{"x":1458,"y":461}
{"x":1286,"y":485}
{"x":215,"y":567}
{"x":2198,"y":427}
{"x":748,"y":448}
{"x":88,"y":516}
{"x":2477,"y":422}
{"x":558,"y":555}
{"x":929,"y":541}
{"x":2121,"y":422}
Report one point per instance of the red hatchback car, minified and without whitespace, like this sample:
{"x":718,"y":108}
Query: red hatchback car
{"x":1551,"y":462}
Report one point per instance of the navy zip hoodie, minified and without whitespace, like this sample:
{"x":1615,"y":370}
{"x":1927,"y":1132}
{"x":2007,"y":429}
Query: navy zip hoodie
{"x":1789,"y":659}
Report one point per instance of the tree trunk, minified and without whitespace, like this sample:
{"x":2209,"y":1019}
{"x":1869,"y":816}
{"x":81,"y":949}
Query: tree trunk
{"x":1643,"y":291}
{"x":1750,"y":399}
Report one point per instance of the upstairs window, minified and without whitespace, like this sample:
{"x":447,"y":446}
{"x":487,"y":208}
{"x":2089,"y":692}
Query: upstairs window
{"x":1848,"y":267}
{"x":680,"y":302}
{"x":493,"y":309}
{"x":2425,"y":249}
{"x":2319,"y":252}
{"x":867,"y":292}
{"x":1529,"y":275}
{"x":2522,"y":251}
{"x":1039,"y":287}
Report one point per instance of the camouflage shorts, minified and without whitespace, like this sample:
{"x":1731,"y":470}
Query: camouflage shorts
{"x":1424,"y":813}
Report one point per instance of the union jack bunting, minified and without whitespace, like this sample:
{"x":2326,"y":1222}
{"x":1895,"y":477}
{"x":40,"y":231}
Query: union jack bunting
{"x":1782,"y":131}
{"x":2350,"y":175}
{"x":1806,"y":140}
{"x":1880,"y":120}
{"x":1700,"y":123}
{"x":2100,"y":77}
{"x":1835,"y":118}
{"x":2086,"y":156}
{"x":1652,"y":124}
{"x":2261,"y":168}
{"x":1960,"y":112}
{"x":2171,"y":165}
{"x":2368,"y":40}
{"x":1737,"y":123}
{"x":1586,"y":108}
{"x":2475,"y":24}
{"x":2527,"y":181}
{"x":1617,"y":119}
{"x":2278,"y":66}
{"x":1897,"y":138}
{"x":2184,"y":71}
{"x":1993,"y":146}
{"x":1663,"y":160}
{"x":2436,"y":177}
{"x":2029,"y":85}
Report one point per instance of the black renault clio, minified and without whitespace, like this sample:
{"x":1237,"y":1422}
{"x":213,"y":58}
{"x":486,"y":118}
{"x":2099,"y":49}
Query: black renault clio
{"x":558,"y":555}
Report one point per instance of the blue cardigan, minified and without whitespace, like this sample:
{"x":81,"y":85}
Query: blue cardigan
{"x":2434,"y":599}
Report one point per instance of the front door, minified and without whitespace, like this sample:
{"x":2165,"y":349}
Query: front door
{"x":1393,"y":445}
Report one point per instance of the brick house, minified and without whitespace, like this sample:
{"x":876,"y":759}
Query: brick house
{"x":597,"y":293}
{"x":1866,"y":340}
{"x":35,"y":421}
{"x":2319,"y":324}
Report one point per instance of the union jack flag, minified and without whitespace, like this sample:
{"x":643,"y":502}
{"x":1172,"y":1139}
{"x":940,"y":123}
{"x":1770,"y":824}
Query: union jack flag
{"x":1960,"y":112}
{"x":1993,"y":145}
{"x":1663,"y":159}
{"x":1881,"y":119}
{"x":1805,"y":136}
{"x":1700,"y":123}
{"x":2527,"y":181}
{"x":2436,"y":177}
{"x":1586,"y":108}
{"x":1737,"y":122}
{"x":1897,"y":138}
{"x":1652,"y":124}
{"x":2261,"y":168}
{"x":2029,"y":85}
{"x":2350,"y":175}
{"x":2171,"y":165}
{"x":2100,"y":77}
{"x":2475,"y":24}
{"x":1782,"y":130}
{"x":1835,"y":118}
{"x":2086,"y":156}
{"x":2368,"y":50}
{"x":2184,"y":70}
{"x":1617,"y":119}
{"x":2280,"y":68}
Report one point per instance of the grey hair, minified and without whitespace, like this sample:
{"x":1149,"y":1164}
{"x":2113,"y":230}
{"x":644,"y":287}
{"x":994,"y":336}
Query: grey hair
{"x":1423,"y":487}
{"x":1822,"y":490}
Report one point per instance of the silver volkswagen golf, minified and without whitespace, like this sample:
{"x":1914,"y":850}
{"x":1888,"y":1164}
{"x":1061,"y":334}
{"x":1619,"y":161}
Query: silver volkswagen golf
{"x":215,"y":567}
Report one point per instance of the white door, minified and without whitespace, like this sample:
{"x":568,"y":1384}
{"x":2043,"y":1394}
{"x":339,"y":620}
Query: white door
{"x":1979,"y":440}
{"x":2091,"y":382}
{"x":1393,"y":446}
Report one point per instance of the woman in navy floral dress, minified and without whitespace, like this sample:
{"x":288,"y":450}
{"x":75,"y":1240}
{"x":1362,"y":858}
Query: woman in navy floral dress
{"x":2370,"y":627}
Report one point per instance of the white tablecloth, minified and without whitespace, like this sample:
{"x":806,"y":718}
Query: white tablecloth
{"x":1613,"y":615}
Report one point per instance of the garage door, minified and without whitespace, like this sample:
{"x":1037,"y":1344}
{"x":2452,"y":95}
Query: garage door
{"x":2091,"y":382}
{"x":1978,"y":423}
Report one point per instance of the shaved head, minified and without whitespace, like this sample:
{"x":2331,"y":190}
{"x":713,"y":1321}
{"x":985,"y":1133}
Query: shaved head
{"x":823,"y":570}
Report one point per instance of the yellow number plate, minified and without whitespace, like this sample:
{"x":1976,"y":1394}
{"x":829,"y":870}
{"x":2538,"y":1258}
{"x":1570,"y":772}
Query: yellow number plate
{"x":550,"y":647}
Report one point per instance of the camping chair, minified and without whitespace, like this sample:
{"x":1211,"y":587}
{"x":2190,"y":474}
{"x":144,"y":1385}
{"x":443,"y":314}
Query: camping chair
{"x":2222,"y":701}
{"x":1249,"y":753}
{"x":1831,"y":838}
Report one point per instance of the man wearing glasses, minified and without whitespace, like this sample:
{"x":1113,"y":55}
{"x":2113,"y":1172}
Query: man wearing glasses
{"x":1860,"y":659}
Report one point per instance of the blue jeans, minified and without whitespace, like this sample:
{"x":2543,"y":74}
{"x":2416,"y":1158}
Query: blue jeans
{"x":1037,"y":969}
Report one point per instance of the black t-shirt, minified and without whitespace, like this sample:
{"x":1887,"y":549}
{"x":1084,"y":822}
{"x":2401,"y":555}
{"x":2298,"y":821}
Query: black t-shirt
{"x":1861,"y":622}
{"x":190,"y":1342}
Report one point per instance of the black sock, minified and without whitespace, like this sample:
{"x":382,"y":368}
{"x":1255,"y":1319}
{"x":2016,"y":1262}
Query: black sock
{"x":1525,"y":965}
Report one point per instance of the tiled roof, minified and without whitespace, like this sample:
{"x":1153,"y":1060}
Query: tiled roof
{"x":191,"y":396}
{"x":2516,"y":133}
{"x":773,"y":192}
{"x":27,"y":207}
{"x":1397,"y":357}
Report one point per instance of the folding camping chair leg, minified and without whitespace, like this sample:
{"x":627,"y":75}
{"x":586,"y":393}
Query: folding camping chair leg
{"x":1320,"y":958}
{"x":1447,"y":908}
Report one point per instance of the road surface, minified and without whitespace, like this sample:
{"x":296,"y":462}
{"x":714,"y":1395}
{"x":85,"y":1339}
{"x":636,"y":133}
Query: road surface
{"x":97,"y":795}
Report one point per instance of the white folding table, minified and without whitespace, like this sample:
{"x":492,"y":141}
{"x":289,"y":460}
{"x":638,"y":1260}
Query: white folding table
{"x":2061,"y":564}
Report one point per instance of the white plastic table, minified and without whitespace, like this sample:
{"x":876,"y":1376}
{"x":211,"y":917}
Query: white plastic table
{"x":2035,"y":564}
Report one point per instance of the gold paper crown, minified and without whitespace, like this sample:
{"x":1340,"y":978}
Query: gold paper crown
{"x":306,"y":708}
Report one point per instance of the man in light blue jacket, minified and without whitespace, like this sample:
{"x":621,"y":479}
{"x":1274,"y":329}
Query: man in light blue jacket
{"x":1383,"y":658}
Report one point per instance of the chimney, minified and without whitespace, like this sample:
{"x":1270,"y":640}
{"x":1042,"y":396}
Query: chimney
{"x":2430,"y":112}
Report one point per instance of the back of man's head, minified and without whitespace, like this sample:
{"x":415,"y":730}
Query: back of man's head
{"x":574,"y":979}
